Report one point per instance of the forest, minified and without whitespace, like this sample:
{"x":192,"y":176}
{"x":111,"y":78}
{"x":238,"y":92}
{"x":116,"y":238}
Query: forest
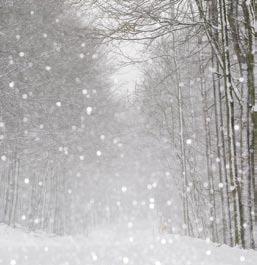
{"x":129,"y":111}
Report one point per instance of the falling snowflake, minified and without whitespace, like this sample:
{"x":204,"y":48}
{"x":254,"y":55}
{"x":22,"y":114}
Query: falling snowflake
{"x":149,"y":186}
{"x":189,"y":141}
{"x":94,"y":256}
{"x":23,"y":217}
{"x":3,"y":157}
{"x":95,"y":56}
{"x":24,"y":96}
{"x":151,"y":206}
{"x":89,"y":110}
{"x":221,"y":185}
{"x":26,"y":181}
{"x":124,"y":189}
{"x":21,"y":54}
{"x":11,"y":84}
{"x":237,"y":127}
{"x":169,"y":203}
{"x":125,"y":260}
{"x":208,"y":252}
{"x":163,"y":241}
{"x":13,"y":262}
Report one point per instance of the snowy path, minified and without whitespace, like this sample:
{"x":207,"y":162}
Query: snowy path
{"x":121,"y":245}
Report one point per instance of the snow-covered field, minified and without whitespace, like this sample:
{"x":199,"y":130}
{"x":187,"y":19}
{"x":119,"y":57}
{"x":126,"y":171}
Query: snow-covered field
{"x":122,"y":244}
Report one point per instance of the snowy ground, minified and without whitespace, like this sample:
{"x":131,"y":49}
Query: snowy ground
{"x":123,"y":244}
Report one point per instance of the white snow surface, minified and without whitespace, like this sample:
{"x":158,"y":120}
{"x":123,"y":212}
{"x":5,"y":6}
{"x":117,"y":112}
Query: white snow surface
{"x":113,"y":245}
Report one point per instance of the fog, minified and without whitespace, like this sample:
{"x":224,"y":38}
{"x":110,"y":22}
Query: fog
{"x":127,"y":132}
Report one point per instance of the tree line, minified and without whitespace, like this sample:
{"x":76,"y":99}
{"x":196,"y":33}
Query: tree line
{"x":198,"y":96}
{"x":56,"y":112}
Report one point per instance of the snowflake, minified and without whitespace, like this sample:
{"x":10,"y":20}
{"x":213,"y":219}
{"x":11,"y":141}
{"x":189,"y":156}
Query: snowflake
{"x":94,"y":256}
{"x":13,"y":262}
{"x":151,"y":206}
{"x":24,"y":96}
{"x":23,"y":217}
{"x":151,"y":200}
{"x":237,"y":127}
{"x":21,"y":54}
{"x":163,"y":241}
{"x":221,"y":185}
{"x":205,"y":184}
{"x":26,"y":181}
{"x":189,"y":141}
{"x":95,"y":56}
{"x":89,"y":110}
{"x":11,"y":84}
{"x":3,"y":157}
{"x":208,"y":252}
{"x":125,"y":260}
{"x":169,"y":203}
{"x":149,"y":186}
{"x":124,"y":189}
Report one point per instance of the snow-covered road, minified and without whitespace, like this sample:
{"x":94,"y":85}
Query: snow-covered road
{"x":122,"y":244}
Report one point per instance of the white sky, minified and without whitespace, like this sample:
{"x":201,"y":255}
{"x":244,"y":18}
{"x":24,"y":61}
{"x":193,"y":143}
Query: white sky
{"x":126,"y":78}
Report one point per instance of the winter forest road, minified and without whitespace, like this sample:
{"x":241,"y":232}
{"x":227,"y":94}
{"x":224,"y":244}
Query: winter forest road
{"x":123,"y":244}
